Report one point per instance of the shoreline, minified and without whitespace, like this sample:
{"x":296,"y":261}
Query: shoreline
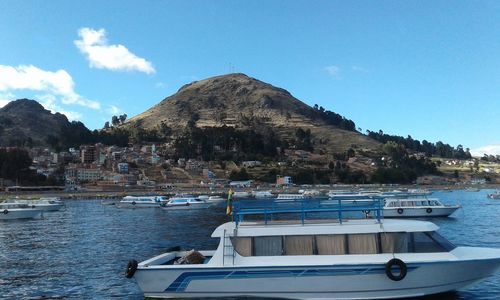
{"x":113,"y":194}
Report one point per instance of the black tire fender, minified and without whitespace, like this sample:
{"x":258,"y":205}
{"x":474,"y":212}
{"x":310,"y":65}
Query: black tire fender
{"x":429,"y":210}
{"x":5,"y":211}
{"x":131,"y":268}
{"x":133,"y":202}
{"x":400,"y":211}
{"x":402,"y":269}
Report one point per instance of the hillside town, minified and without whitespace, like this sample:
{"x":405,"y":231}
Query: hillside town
{"x":112,"y":168}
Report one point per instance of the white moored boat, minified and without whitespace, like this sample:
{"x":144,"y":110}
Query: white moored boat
{"x":317,"y":259}
{"x":417,"y":207}
{"x":215,"y":199}
{"x":185,"y":202}
{"x":142,"y":201}
{"x":11,"y":210}
{"x":290,"y":197}
{"x":239,"y":195}
{"x":262,"y":194}
{"x":45,"y":204}
{"x":495,"y":195}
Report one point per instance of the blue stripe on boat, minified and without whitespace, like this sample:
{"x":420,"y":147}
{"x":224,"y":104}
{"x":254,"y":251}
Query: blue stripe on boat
{"x":181,"y":282}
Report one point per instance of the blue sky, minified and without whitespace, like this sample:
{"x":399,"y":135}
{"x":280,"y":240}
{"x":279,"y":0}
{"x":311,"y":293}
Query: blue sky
{"x":429,"y":69}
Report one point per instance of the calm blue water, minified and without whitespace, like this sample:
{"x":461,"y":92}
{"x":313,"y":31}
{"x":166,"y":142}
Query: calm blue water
{"x":81,"y":251}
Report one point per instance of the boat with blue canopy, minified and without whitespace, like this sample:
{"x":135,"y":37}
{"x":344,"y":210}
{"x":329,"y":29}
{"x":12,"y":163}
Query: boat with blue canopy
{"x":307,"y":249}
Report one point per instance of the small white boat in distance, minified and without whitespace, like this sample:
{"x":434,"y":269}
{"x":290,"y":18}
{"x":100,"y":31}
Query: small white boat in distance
{"x":290,"y":197}
{"x":11,"y":211}
{"x":417,"y":207}
{"x":262,"y":194}
{"x":320,"y":259}
{"x":495,"y":195}
{"x":240,"y":195}
{"x":215,"y":199}
{"x":185,"y":203}
{"x":203,"y":197}
{"x":44,"y":204}
{"x":47,"y":204}
{"x":142,"y":201}
{"x":311,"y":193}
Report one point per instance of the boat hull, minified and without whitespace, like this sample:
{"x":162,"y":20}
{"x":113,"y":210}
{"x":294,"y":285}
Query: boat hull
{"x":411,"y":212}
{"x":313,"y":282}
{"x":185,"y":207}
{"x":48,"y":207}
{"x":13,"y":214}
{"x":137,"y":205}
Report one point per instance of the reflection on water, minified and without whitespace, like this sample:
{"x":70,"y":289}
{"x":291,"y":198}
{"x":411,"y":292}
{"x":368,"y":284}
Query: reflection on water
{"x":81,"y":251}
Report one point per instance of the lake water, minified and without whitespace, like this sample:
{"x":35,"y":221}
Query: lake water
{"x":81,"y":251}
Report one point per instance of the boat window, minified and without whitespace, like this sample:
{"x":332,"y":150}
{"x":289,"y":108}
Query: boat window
{"x":394,"y":242}
{"x":267,"y":246}
{"x":331,"y":244}
{"x":423,"y":243}
{"x":447,"y":245}
{"x":242,"y":245}
{"x":362,"y":243}
{"x":299,"y":245}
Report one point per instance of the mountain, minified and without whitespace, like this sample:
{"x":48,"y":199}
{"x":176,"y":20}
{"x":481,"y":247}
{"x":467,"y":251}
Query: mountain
{"x":240,"y":101}
{"x":27,"y":122}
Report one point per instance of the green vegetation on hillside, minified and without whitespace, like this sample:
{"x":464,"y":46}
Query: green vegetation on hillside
{"x":439,"y":149}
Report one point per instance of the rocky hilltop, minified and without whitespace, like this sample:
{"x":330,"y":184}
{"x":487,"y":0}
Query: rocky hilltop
{"x":240,"y":101}
{"x":27,"y":122}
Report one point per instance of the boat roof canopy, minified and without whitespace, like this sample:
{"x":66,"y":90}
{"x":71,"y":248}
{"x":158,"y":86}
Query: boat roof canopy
{"x":319,"y":227}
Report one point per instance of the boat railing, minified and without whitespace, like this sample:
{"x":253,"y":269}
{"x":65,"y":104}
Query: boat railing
{"x":303,"y":207}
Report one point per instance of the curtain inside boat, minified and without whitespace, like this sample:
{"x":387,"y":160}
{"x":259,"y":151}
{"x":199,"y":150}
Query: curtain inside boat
{"x":268,"y":246}
{"x":330,"y":244}
{"x":299,"y":245}
{"x":394,"y":242}
{"x":243,"y":245}
{"x":362,"y":243}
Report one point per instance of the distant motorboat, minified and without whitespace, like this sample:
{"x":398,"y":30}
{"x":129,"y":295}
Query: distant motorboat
{"x":495,"y":195}
{"x":241,"y":195}
{"x":142,"y":201}
{"x":203,"y":197}
{"x":215,"y":199}
{"x":262,"y":194}
{"x":290,"y":197}
{"x":472,"y":189}
{"x":419,"y":191}
{"x":417,"y":207}
{"x":185,"y":203}
{"x":12,"y":210}
{"x":44,"y":204}
{"x":311,"y":193}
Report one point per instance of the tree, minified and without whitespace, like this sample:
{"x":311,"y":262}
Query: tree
{"x":106,"y":125}
{"x":122,"y":118}
{"x":115,"y":121}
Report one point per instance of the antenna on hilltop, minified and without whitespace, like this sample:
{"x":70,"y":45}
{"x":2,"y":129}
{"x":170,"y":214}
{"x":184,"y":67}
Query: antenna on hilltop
{"x":230,"y":68}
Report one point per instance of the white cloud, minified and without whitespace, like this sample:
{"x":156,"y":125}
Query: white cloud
{"x":50,"y":103}
{"x":160,"y":85}
{"x":113,"y":110}
{"x":94,"y":45}
{"x":28,"y":77}
{"x":488,"y":149}
{"x":359,"y":69}
{"x":333,"y":71}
